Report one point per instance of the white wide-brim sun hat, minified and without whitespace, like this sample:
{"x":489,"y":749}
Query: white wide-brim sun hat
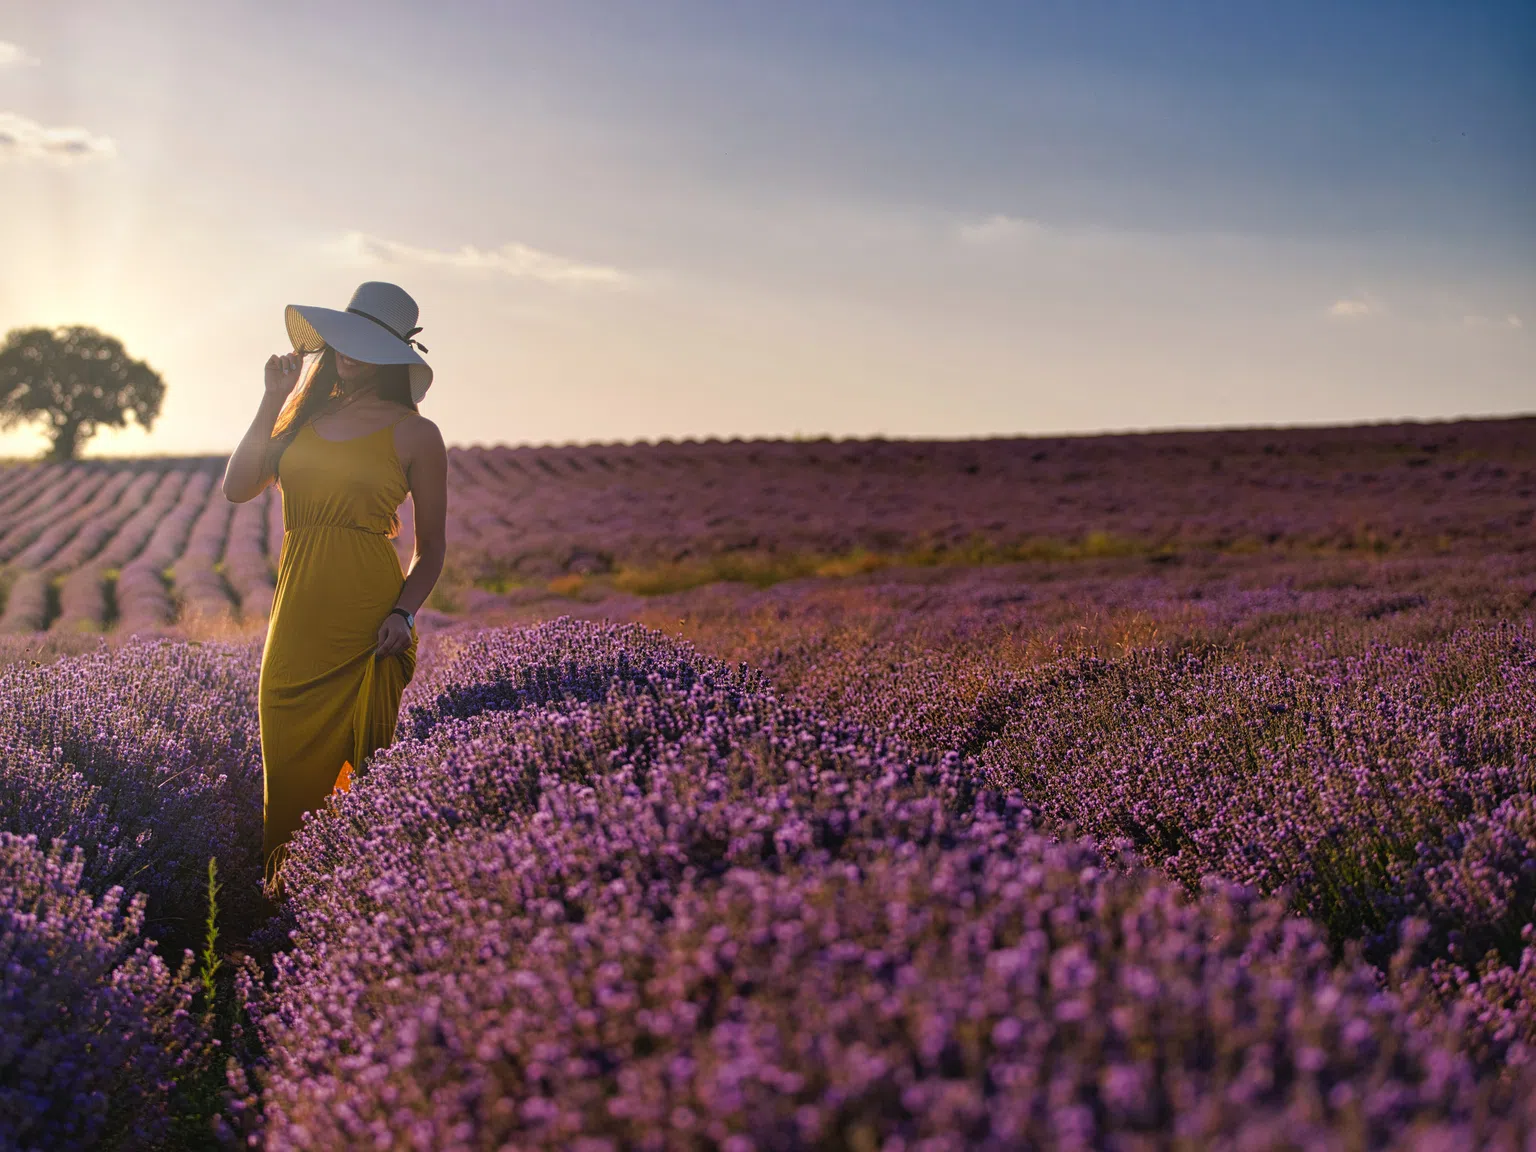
{"x":377,"y":328}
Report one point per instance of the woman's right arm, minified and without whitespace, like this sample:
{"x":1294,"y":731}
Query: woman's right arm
{"x":249,"y":470}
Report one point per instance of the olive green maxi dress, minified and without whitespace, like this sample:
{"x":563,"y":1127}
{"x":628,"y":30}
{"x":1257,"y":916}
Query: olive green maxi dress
{"x":325,"y":700}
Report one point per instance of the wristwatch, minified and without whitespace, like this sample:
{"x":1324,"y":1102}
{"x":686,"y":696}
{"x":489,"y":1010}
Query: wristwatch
{"x":410,"y":617}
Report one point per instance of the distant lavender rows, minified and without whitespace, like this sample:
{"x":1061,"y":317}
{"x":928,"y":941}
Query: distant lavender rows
{"x":539,"y":512}
{"x":137,"y":546}
{"x":181,"y":552}
{"x":606,"y":888}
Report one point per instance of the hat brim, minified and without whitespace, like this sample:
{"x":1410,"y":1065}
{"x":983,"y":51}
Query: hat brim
{"x":311,"y":328}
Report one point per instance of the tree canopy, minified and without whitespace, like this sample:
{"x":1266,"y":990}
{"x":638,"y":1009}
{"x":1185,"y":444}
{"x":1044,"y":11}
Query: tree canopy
{"x":77,"y":380}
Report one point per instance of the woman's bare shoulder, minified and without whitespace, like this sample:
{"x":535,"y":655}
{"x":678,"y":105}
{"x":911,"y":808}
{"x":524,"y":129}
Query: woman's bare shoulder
{"x":418,"y":426}
{"x":416,"y":436}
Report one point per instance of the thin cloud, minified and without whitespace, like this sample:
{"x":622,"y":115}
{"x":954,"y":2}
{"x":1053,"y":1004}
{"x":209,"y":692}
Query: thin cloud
{"x":1001,"y":233}
{"x":1479,"y":321}
{"x":15,"y":56}
{"x":1355,"y":307}
{"x":22,"y":140}
{"x":1000,"y":229}
{"x":516,"y":261}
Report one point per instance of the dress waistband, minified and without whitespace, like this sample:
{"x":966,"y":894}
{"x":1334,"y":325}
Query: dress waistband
{"x":342,"y":527}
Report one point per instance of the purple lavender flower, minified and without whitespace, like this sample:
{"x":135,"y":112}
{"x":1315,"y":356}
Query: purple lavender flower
{"x":94,"y":1028}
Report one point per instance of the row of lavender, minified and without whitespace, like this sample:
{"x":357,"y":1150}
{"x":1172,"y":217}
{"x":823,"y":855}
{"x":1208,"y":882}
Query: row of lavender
{"x":538,"y":512}
{"x":139,"y":546}
{"x":534,"y":513}
{"x":1388,"y":793}
{"x":121,"y":773}
{"x":608,"y":893}
{"x":606,"y":889}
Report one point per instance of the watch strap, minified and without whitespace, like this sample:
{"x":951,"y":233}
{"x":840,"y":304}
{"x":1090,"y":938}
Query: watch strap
{"x":410,"y":617}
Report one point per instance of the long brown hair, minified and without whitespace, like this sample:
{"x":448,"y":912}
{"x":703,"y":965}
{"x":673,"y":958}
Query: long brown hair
{"x":321,"y":384}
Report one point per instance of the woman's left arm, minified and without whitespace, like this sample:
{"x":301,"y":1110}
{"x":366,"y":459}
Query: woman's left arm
{"x":427,"y":474}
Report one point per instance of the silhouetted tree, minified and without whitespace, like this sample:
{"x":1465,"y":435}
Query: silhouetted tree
{"x":77,"y":379}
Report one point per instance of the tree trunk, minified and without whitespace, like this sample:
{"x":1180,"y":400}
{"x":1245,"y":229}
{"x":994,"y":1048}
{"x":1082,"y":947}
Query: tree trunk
{"x":66,"y":441}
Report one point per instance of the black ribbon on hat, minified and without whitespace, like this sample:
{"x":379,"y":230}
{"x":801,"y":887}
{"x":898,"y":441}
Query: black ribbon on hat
{"x":407,"y":337}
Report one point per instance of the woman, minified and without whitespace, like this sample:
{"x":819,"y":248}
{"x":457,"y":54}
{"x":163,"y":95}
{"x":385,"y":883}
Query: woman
{"x":345,"y":447}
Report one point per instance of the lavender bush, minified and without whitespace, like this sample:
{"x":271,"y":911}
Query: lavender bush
{"x":497,"y":670}
{"x":94,"y":1027}
{"x":1375,"y":788}
{"x":605,"y":887}
{"x":146,"y":756}
{"x":593,"y":699}
{"x":579,"y":907}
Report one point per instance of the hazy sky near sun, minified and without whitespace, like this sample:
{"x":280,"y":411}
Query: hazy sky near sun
{"x":629,"y":220}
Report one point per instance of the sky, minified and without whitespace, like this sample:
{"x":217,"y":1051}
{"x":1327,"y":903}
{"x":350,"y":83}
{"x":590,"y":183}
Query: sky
{"x":631,"y":221}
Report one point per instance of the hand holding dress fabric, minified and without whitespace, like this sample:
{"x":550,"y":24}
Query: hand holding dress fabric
{"x":394,"y":636}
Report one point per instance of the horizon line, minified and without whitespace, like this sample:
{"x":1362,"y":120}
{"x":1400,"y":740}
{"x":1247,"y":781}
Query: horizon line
{"x":878,"y":438}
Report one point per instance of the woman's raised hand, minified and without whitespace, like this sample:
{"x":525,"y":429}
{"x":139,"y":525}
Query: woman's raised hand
{"x":283,"y":373}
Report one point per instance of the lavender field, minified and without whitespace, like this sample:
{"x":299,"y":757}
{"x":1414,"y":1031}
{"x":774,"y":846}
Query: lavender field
{"x":1174,"y":791}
